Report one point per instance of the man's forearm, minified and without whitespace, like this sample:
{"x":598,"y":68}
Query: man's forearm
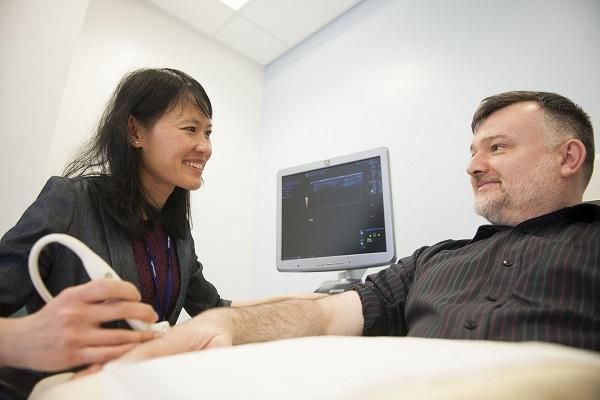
{"x":324,"y":315}
{"x":281,"y":320}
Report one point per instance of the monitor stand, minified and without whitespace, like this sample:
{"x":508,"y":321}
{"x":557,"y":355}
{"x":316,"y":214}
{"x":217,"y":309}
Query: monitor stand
{"x":345,"y":280}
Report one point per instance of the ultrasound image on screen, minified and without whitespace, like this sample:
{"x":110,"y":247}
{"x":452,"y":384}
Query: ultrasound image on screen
{"x":333,"y":211}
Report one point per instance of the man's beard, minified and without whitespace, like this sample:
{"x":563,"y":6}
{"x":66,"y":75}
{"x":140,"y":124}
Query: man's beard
{"x":514,"y":204}
{"x":492,"y":209}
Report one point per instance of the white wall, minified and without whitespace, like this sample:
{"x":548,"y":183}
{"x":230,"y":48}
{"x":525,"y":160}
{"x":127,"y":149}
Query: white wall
{"x":37,"y":38}
{"x":398,"y":73}
{"x":408,"y":75}
{"x":120,"y":35}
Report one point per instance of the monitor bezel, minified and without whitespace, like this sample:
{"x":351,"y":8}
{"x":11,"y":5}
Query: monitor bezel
{"x":349,"y":261}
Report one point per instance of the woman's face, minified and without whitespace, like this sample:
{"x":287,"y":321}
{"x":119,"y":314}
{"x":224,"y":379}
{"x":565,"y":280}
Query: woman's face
{"x":173,"y":152}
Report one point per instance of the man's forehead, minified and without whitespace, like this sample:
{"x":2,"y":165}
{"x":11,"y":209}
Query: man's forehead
{"x":515,"y":119}
{"x":515,"y":113}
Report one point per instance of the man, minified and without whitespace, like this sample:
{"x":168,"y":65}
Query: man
{"x":533,"y":274}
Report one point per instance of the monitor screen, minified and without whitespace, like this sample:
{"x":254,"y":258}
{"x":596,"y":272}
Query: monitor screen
{"x":335,"y":214}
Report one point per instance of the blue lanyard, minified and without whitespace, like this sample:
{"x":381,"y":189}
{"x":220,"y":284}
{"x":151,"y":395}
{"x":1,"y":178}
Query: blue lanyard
{"x":158,"y":305}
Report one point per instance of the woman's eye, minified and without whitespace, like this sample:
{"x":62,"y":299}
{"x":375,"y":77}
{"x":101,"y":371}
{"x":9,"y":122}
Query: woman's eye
{"x":190,"y":129}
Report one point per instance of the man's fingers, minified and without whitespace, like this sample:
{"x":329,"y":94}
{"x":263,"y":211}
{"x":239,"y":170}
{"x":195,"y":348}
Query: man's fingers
{"x":151,"y":349}
{"x":177,"y":340}
{"x":103,"y":354}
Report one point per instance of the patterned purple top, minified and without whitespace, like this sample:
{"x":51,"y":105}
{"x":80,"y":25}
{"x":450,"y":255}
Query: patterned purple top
{"x":157,"y":239}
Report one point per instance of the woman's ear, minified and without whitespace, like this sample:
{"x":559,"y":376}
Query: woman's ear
{"x":134,"y":133}
{"x":573,"y":155}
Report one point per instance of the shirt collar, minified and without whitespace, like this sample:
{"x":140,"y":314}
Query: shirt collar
{"x":584,"y":212}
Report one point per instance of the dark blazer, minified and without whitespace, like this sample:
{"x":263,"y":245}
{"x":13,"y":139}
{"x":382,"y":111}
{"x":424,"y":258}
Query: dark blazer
{"x":71,"y":206}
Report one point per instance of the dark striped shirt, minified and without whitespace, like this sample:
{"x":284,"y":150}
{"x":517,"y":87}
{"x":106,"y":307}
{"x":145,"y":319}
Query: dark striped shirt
{"x":539,"y":280}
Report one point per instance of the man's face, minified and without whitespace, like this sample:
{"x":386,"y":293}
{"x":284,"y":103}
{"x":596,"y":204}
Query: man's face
{"x":514,"y":169}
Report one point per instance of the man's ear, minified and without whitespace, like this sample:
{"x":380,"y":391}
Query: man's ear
{"x":573,"y":155}
{"x":134,"y":132}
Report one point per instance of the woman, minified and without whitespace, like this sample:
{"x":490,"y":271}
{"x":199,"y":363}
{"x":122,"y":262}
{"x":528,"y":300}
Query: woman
{"x":127,"y":196}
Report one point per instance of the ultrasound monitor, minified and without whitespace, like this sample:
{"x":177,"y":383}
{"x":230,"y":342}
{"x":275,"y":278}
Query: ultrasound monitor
{"x":336,"y":215}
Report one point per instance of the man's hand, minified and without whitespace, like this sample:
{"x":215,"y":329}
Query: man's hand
{"x":67,"y":333}
{"x":209,"y":329}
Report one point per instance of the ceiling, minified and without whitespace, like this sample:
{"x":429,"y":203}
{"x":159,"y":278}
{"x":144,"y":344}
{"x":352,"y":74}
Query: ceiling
{"x":261,"y":30}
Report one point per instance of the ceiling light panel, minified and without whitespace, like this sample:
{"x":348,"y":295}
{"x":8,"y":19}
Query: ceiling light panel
{"x":234,"y":4}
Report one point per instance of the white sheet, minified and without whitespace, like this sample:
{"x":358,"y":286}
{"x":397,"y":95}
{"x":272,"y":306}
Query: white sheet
{"x":318,"y":368}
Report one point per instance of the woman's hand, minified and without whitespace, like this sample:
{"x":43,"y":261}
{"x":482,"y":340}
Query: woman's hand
{"x":66,"y":332}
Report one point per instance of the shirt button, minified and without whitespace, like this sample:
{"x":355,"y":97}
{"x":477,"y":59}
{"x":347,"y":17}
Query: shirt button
{"x":507,"y":263}
{"x":470,"y":325}
{"x":491,"y":298}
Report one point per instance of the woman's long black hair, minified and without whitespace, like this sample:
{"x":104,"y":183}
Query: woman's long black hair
{"x":146,"y":94}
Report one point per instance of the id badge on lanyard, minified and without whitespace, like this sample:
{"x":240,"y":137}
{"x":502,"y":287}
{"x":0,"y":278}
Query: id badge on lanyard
{"x":161,"y":307}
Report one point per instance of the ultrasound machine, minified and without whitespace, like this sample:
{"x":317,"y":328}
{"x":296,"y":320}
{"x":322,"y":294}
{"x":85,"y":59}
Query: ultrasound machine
{"x":336,"y":215}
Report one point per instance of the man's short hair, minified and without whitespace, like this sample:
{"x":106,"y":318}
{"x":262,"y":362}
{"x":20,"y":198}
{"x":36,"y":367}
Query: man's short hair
{"x":568,"y":117}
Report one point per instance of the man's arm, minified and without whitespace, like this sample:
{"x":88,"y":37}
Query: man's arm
{"x":324,"y":315}
{"x":67,"y":331}
{"x":340,"y":314}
